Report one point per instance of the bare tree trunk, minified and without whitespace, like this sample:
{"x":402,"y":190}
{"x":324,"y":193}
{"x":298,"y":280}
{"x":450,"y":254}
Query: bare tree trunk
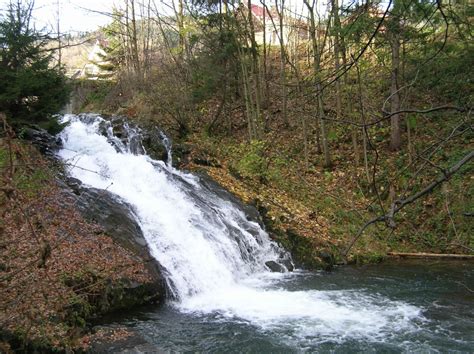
{"x":59,"y":34}
{"x":146,"y":30}
{"x":280,"y":11}
{"x":395,"y":134}
{"x":180,"y":22}
{"x":136,"y":55}
{"x":265,"y":86}
{"x":324,"y":134}
{"x":410,"y":147}
{"x":131,"y":38}
{"x":247,"y":97}
{"x":364,"y":131}
{"x":316,"y":69}
{"x":255,"y":73}
{"x":337,"y":64}
{"x":126,"y":38}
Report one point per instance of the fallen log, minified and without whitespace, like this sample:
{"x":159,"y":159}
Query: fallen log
{"x":430,"y":255}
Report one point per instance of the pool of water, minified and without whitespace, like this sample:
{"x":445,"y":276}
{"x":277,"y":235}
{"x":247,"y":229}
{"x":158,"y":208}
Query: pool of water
{"x":396,"y":306}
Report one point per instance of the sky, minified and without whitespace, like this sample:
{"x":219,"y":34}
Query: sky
{"x":75,"y":18}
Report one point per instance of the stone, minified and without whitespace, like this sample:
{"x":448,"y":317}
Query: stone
{"x":117,"y":220}
{"x":275,"y":267}
{"x":45,"y":142}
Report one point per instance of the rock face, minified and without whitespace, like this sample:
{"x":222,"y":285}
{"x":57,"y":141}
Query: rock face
{"x":102,"y":207}
{"x":251,"y":212}
{"x":117,"y":220}
{"x":139,"y":140}
{"x":152,"y":141}
{"x":107,"y":210}
{"x":45,"y":142}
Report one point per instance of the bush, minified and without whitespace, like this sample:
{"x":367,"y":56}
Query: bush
{"x":253,"y":164}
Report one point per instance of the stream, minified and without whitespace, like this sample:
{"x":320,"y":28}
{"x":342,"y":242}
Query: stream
{"x":222,"y":294}
{"x":394,"y":307}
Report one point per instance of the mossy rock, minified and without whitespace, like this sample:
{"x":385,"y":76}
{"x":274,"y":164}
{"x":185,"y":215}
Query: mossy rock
{"x":366,"y":258}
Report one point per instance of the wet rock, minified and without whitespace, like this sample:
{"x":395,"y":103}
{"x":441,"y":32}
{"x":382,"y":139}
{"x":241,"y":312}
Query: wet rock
{"x":287,"y":262}
{"x":45,"y":142}
{"x":328,"y":259}
{"x":73,"y":183}
{"x":181,"y":154}
{"x":275,"y":267}
{"x":152,"y":141}
{"x":250,"y":211}
{"x":114,"y":215}
{"x":116,"y":218}
{"x":114,"y":339}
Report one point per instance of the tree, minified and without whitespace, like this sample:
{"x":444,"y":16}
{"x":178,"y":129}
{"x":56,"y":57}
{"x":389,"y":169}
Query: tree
{"x":395,"y":135}
{"x":317,"y":74}
{"x":31,"y":90}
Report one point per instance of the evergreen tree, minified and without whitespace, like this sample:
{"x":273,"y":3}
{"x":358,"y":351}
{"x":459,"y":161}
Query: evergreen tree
{"x":31,"y":90}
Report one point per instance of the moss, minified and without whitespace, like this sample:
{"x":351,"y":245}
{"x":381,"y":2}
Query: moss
{"x":27,"y":180}
{"x":19,"y":342}
{"x":96,"y":295}
{"x":53,"y":126}
{"x":78,"y":311}
{"x":366,"y":258}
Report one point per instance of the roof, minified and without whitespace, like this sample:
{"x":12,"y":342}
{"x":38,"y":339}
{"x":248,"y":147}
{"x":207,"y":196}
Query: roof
{"x":258,"y":11}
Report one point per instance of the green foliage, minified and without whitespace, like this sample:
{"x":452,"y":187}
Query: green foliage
{"x":114,"y":47}
{"x":53,"y":126}
{"x":216,"y":65}
{"x":97,"y":95}
{"x":367,"y":258}
{"x":411,"y":121}
{"x":450,"y":77}
{"x":31,"y":91}
{"x":29,"y":182}
{"x":253,"y":162}
{"x":362,"y":26}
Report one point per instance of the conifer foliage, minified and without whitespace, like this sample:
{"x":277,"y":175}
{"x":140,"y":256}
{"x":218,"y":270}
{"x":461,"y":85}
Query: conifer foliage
{"x":31,"y":90}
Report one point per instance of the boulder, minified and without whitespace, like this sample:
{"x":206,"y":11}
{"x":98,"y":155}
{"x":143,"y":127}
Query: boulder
{"x":275,"y":267}
{"x":286,"y":261}
{"x":153,"y":144}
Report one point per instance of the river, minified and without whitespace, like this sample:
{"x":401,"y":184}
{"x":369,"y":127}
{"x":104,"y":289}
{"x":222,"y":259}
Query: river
{"x":437,"y":289}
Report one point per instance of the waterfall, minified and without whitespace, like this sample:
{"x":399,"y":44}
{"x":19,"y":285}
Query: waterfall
{"x":213,"y":255}
{"x":202,"y":241}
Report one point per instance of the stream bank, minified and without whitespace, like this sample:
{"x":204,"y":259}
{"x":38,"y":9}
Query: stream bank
{"x":93,"y":259}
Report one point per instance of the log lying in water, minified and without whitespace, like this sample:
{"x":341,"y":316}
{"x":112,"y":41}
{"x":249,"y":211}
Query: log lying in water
{"x":430,"y":255}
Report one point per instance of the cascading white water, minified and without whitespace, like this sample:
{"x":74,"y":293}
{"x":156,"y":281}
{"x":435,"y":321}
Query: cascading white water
{"x":213,"y":256}
{"x":203,"y":242}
